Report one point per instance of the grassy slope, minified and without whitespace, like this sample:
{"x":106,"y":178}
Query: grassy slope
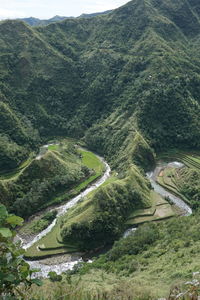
{"x":61,"y":168}
{"x":118,"y":89}
{"x":159,"y":210}
{"x":92,"y":162}
{"x":135,"y":268}
{"x":170,"y":259}
{"x":89,"y":160}
{"x":51,"y":240}
{"x":102,"y":217}
{"x":184,"y":182}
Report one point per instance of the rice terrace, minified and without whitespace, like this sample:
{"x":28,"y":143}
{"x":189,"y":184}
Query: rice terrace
{"x":100,"y":150}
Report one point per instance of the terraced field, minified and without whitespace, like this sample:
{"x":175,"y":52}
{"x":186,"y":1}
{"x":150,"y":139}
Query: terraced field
{"x":52,"y":244}
{"x":160,"y":210}
{"x":168,"y":178}
{"x":191,"y":160}
{"x":172,"y":178}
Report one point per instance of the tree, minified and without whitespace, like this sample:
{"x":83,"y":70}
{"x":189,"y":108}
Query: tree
{"x":15,"y":273}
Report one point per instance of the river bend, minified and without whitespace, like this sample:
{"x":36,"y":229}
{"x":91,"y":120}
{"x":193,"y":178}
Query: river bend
{"x":62,"y":209}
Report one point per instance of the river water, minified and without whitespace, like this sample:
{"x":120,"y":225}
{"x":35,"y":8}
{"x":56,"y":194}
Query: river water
{"x":164,"y":193}
{"x":62,"y":209}
{"x":187,"y":211}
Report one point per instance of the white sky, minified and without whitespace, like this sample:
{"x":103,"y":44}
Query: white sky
{"x":45,"y":9}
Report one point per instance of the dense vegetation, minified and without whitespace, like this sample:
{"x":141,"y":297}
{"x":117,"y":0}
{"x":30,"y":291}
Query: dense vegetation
{"x":101,"y":219}
{"x":133,"y":69}
{"x":183,"y":181}
{"x":15,"y":273}
{"x":156,"y":260}
{"x":38,"y":22}
{"x":159,"y":253}
{"x":188,"y":182}
{"x":38,"y":224}
{"x":42,"y":180}
{"x":17,"y":138}
{"x":127,"y":84}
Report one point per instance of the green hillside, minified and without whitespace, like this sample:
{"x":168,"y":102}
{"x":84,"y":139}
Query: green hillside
{"x":136,"y":68}
{"x":38,"y":22}
{"x":44,"y":181}
{"x":184,"y":181}
{"x":17,"y":138}
{"x":100,"y":219}
{"x":126,"y":85}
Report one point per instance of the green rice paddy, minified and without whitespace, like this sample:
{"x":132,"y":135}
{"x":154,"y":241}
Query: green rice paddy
{"x":169,"y":177}
{"x":160,"y":210}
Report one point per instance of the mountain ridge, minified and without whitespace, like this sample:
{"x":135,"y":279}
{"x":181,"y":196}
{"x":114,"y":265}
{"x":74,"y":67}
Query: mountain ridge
{"x":115,"y":43}
{"x":127,"y":86}
{"x":104,"y":79}
{"x":32,"y":21}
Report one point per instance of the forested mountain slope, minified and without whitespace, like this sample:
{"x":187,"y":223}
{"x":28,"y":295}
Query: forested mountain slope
{"x":136,"y":68}
{"x":38,"y":22}
{"x":126,"y":83}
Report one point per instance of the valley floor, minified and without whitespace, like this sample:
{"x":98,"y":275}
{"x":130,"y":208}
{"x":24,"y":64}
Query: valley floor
{"x":168,"y":260}
{"x":51,"y":243}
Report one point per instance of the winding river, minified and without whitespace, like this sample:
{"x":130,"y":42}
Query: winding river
{"x":62,"y":209}
{"x":187,"y":211}
{"x":152,"y":176}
